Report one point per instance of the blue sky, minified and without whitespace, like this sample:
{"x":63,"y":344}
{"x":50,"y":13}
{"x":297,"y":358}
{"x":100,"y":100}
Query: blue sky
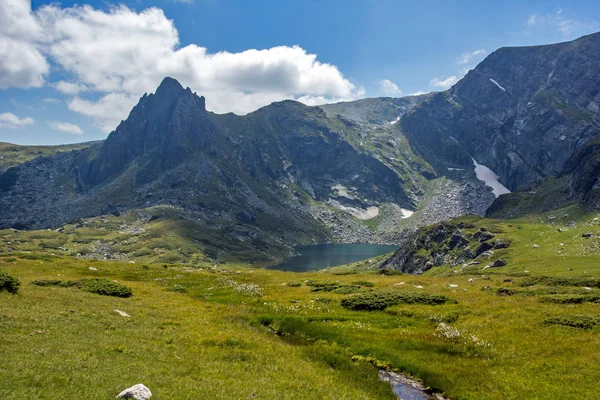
{"x":70,"y":71}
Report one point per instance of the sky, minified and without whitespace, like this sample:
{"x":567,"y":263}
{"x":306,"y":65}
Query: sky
{"x":71,"y":71}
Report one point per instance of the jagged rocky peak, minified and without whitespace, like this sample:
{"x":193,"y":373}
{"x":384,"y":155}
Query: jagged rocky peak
{"x":169,"y":124}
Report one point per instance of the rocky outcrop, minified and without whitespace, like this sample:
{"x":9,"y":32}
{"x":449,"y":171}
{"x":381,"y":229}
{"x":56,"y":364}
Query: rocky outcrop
{"x":448,"y":243}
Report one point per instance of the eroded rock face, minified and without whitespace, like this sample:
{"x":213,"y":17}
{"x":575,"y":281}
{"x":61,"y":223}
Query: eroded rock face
{"x":522,"y":112}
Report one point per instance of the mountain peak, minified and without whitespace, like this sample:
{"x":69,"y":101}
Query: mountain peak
{"x":169,"y":85}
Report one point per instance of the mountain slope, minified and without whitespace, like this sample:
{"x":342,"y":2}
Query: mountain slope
{"x":523,"y":112}
{"x":286,"y":173}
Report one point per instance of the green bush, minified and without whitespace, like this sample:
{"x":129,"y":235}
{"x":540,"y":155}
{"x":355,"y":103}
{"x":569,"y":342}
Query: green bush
{"x":9,"y":283}
{"x":363,"y":283}
{"x":575,"y":321}
{"x":570,"y":298}
{"x":103,"y":287}
{"x":560,"y":281}
{"x":294,"y":284}
{"x":380,"y":300}
{"x":389,"y":272}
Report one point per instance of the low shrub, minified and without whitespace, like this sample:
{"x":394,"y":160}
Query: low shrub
{"x":104,"y":287}
{"x":570,"y":298}
{"x":294,"y":284}
{"x":363,"y":283}
{"x":574,"y":321}
{"x":329,"y":286}
{"x":389,"y":272}
{"x":9,"y":282}
{"x":380,"y":300}
{"x":560,"y":281}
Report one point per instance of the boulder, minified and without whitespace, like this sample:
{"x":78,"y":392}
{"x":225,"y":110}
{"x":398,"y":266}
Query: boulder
{"x":458,"y":240}
{"x":482,"y":235}
{"x":499,"y":244}
{"x":483,"y":247}
{"x":496,"y":264}
{"x":137,"y":392}
{"x":586,"y":235}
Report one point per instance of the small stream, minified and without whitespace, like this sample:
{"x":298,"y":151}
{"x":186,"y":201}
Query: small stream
{"x":406,"y":389}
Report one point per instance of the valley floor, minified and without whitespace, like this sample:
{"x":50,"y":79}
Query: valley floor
{"x":236,"y":332}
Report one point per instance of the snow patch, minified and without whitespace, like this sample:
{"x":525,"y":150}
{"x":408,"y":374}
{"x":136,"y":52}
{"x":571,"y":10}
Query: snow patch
{"x":490,"y":179}
{"x":497,"y":84}
{"x":394,"y":121}
{"x":453,"y":138}
{"x":562,"y":137}
{"x":406,"y":213}
{"x":455,"y":169}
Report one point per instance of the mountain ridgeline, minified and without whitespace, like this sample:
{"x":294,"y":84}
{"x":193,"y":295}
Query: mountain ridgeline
{"x":372,"y":170}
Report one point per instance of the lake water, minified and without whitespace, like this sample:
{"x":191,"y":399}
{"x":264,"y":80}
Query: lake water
{"x":330,"y":255}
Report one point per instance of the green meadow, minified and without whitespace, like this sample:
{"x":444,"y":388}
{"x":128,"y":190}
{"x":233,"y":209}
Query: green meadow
{"x":529,"y":330}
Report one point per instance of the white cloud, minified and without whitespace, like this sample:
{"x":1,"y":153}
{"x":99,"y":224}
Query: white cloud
{"x":11,"y":121}
{"x":70,"y":87}
{"x":66,"y":127}
{"x":119,"y":54}
{"x":107,"y":112}
{"x":444,"y":83}
{"x":389,"y":88}
{"x":557,"y":22}
{"x":419,"y":93}
{"x":51,"y":100}
{"x":22,"y":64}
{"x":466,"y":58}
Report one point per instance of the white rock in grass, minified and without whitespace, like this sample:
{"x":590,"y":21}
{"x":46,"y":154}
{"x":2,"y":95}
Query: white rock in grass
{"x":137,"y":392}
{"x":452,"y":285}
{"x":93,"y":269}
{"x":122,"y":313}
{"x":535,"y":246}
{"x":419,"y":287}
{"x":399,"y":284}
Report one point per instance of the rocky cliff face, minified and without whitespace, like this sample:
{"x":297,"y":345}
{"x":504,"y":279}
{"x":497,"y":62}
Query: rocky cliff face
{"x":523,"y":112}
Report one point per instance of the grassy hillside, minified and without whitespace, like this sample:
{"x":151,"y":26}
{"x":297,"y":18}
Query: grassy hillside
{"x":12,"y":154}
{"x":527,"y":330}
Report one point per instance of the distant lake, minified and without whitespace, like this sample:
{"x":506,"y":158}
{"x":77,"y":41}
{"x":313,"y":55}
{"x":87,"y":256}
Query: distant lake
{"x":330,"y":255}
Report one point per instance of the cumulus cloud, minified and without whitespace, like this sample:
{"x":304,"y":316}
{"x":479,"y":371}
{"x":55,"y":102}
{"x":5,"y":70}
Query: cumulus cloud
{"x":119,"y":54}
{"x":389,"y":88}
{"x":443,"y":83}
{"x":70,"y":87}
{"x":107,"y":112}
{"x":66,"y":127}
{"x":11,"y":121}
{"x":22,"y":64}
{"x":466,"y":58}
